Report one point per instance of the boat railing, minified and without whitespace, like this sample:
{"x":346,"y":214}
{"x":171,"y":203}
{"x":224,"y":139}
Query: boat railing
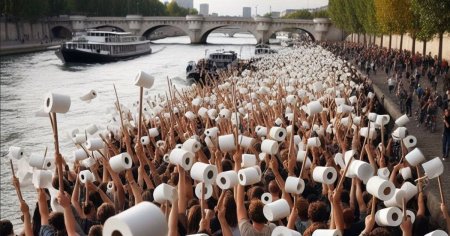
{"x":124,"y":39}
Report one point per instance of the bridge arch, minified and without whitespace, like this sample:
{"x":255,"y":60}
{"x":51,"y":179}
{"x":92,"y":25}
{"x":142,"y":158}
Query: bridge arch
{"x":205,"y":33}
{"x":60,"y":32}
{"x":147,"y":32}
{"x":289,"y":29}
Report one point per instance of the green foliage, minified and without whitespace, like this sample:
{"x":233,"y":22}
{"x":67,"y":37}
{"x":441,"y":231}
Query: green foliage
{"x":321,"y":14}
{"x":300,"y":14}
{"x":343,"y":13}
{"x":434,"y":15}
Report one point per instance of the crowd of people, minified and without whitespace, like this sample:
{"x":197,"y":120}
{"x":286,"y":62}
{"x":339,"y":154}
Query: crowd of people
{"x":300,"y":111}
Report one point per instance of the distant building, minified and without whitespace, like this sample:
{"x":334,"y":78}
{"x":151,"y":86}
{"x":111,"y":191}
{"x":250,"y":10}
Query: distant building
{"x":275,"y":14}
{"x":204,"y":9}
{"x":185,"y":3}
{"x":214,"y":14}
{"x":287,"y":12}
{"x":246,"y":12}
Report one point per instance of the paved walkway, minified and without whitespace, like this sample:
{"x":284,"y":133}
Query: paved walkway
{"x":429,"y":143}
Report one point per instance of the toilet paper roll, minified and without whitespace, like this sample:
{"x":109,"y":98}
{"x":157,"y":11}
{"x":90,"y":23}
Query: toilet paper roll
{"x":343,"y":108}
{"x":88,"y":162}
{"x":91,"y":129}
{"x":415,"y":157}
{"x":212,"y":114}
{"x":380,"y":188}
{"x":314,"y":142}
{"x":345,"y":121}
{"x":204,"y":172}
{"x":227,"y":179}
{"x":165,"y":192}
{"x":410,"y":141}
{"x":261,"y":131}
{"x":86,"y":176}
{"x":297,"y":139}
{"x":36,"y":160}
{"x":179,"y":146}
{"x":301,"y":156}
{"x":144,"y":80}
{"x":396,"y":200}
{"x":245,"y":142}
{"x":181,"y":157}
{"x":121,"y":162}
{"x":134,"y":221}
{"x":327,"y":232}
{"x":79,"y":139}
{"x":357,"y":120}
{"x":339,"y":160}
{"x":49,"y":163}
{"x":339,"y":101}
{"x":15,"y":152}
{"x":276,"y":210}
{"x":365,"y":132}
{"x":325,"y":175}
{"x":248,"y":160}
{"x":211,"y":132}
{"x":57,"y":103}
{"x":437,"y":233}
{"x":399,"y":133}
{"x":249,"y":175}
{"x":208,"y":191}
{"x":89,"y":96}
{"x":79,"y":155}
{"x":166,"y":158}
{"x":391,"y":216}
{"x":383,"y":173}
{"x":406,"y":173}
{"x":94,"y":144}
{"x":372,"y":116}
{"x":269,"y":146}
{"x":305,"y":124}
{"x":262,"y":156}
{"x":145,"y":140}
{"x":202,"y":112}
{"x":294,"y":185}
{"x":190,"y":115}
{"x":226,"y":143}
{"x":313,"y":108}
{"x":277,"y":134}
{"x":370,"y":95}
{"x":383,"y":120}
{"x":153,"y":132}
{"x":266,"y":198}
{"x":160,"y":144}
{"x":225,"y":114}
{"x":42,"y":178}
{"x":433,"y":168}
{"x":402,"y":120}
{"x":363,"y":170}
{"x":284,"y":231}
{"x":55,"y":205}
{"x":411,"y":215}
{"x":191,"y":145}
{"x":110,"y":187}
{"x":353,"y":100}
{"x":278,"y":121}
{"x":410,"y":190}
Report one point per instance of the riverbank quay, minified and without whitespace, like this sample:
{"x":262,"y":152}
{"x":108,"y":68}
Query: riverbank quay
{"x":8,"y":48}
{"x":429,"y":143}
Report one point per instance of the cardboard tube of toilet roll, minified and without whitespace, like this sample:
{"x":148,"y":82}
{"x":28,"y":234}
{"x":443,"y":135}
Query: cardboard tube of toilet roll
{"x":134,"y":221}
{"x":164,"y":192}
{"x":276,"y":210}
{"x":227,"y":179}
{"x":204,"y":172}
{"x":56,"y":103}
{"x":121,"y":162}
{"x":266,"y":198}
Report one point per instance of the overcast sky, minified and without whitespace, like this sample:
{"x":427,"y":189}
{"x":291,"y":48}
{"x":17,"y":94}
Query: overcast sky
{"x":234,"y":7}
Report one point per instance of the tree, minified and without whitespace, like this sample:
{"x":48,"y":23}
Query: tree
{"x":300,"y":14}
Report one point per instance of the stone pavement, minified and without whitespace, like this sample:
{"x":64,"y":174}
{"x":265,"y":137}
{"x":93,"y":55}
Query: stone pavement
{"x":429,"y":143}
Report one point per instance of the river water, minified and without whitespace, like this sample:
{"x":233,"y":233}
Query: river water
{"x":25,"y":79}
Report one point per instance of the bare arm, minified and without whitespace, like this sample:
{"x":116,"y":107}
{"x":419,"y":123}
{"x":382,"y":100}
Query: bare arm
{"x":26,"y":218}
{"x":69,"y":219}
{"x":76,"y":198}
{"x":241,"y":211}
{"x":43,"y":207}
{"x":173,"y":219}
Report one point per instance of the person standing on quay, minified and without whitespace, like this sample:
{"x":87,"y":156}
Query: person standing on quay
{"x":446,"y":134}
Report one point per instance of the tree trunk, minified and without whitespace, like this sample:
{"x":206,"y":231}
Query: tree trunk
{"x":424,"y":52}
{"x":390,"y":41}
{"x":441,"y":39}
{"x":413,"y":50}
{"x":365,"y":40}
{"x":381,"y":44}
{"x":401,"y":42}
{"x":358,"y":37}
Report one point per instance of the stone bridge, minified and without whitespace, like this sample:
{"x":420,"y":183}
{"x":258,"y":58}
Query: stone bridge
{"x":198,"y":27}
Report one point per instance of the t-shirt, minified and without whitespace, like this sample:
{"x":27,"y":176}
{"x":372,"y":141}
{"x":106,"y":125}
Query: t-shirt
{"x":47,"y":230}
{"x":447,"y":130}
{"x":247,"y":229}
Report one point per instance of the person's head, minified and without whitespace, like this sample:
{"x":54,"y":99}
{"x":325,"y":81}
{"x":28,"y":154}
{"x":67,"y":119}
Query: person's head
{"x":96,"y":230}
{"x":56,"y":220}
{"x":194,"y":217}
{"x":255,"y":211}
{"x":313,"y":227}
{"x":317,"y":212}
{"x":349,"y":217}
{"x":256,"y":192}
{"x":273,"y":188}
{"x":230,"y":212}
{"x":147,"y":195}
{"x":380,"y":231}
{"x":6,"y":228}
{"x":302,"y":208}
{"x":105,"y":211}
{"x":227,"y":165}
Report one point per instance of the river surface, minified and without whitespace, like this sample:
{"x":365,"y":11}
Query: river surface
{"x":25,"y":79}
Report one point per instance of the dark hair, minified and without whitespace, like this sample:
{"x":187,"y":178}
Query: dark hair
{"x":96,"y":230}
{"x":227,"y":165}
{"x":274,"y":188}
{"x":313,"y":227}
{"x":255,"y":211}
{"x":147,"y":195}
{"x":256,"y":192}
{"x":56,"y":220}
{"x":349,"y":216}
{"x":105,"y":211}
{"x":193,"y":220}
{"x":302,"y":208}
{"x":230,"y":210}
{"x":380,"y":231}
{"x":88,"y":208}
{"x":317,"y":212}
{"x":6,"y":227}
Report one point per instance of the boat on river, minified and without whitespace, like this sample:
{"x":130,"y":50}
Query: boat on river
{"x":263,"y":49}
{"x":211,"y":66}
{"x":93,"y":46}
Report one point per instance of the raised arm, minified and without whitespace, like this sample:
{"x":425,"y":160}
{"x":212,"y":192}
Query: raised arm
{"x":43,"y":207}
{"x":226,"y":231}
{"x":26,"y":218}
{"x":69,"y":219}
{"x":75,"y":199}
{"x":240,"y":207}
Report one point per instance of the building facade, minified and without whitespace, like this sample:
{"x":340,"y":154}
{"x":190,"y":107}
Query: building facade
{"x":204,"y":9}
{"x":246,"y":12}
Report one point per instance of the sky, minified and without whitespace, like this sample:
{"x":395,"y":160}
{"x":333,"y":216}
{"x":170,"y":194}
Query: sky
{"x":234,"y":7}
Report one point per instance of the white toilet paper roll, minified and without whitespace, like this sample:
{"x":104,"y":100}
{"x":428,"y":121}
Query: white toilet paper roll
{"x":301,"y":156}
{"x":36,"y":160}
{"x":249,"y":175}
{"x":410,"y":141}
{"x":382,"y":120}
{"x":343,"y":108}
{"x":399,"y":133}
{"x":153,"y":132}
{"x":121,"y":162}
{"x":191,"y":145}
{"x":396,"y":200}
{"x":402,"y":120}
{"x":160,"y":144}
{"x":391,"y":216}
{"x":181,"y":157}
{"x":314,"y":107}
{"x":415,"y":157}
{"x":261,"y":131}
{"x":88,"y":162}
{"x":284,"y":231}
{"x":86,"y":176}
{"x":212,"y":114}
{"x":202,"y":112}
{"x":245,"y":142}
{"x":89,"y":96}
{"x":15,"y":152}
{"x":294,"y":185}
{"x":370,"y":95}
{"x":94,"y":144}
{"x":353,"y":100}
{"x":384,"y":173}
{"x":327,"y":232}
{"x":326,"y":175}
{"x":406,"y":173}
{"x":165,"y":192}
{"x":278,"y":121}
{"x":79,"y":139}
{"x":57,"y":103}
{"x":433,"y":168}
{"x":248,"y":160}
{"x":42,"y":178}
{"x":269,"y":146}
{"x":410,"y":190}
{"x":437,"y":232}
{"x":380,"y":188}
{"x":91,"y":129}
{"x":110,"y":187}
{"x":365,"y":132}
{"x":225,"y":114}
{"x":411,"y":215}
{"x":212,"y":132}
{"x":166,"y":158}
{"x":134,"y":221}
{"x":339,"y":101}
{"x":266,"y":198}
{"x":276,"y":210}
{"x":226,"y":143}
{"x":144,"y":80}
{"x":372,"y":116}
{"x":204,"y":172}
{"x":79,"y":155}
{"x":55,"y":205}
{"x":49,"y":163}
{"x":145,"y":140}
{"x":190,"y":115}
{"x":227,"y":179}
{"x":278,"y":133}
{"x":208,"y":191}
{"x":314,"y":142}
